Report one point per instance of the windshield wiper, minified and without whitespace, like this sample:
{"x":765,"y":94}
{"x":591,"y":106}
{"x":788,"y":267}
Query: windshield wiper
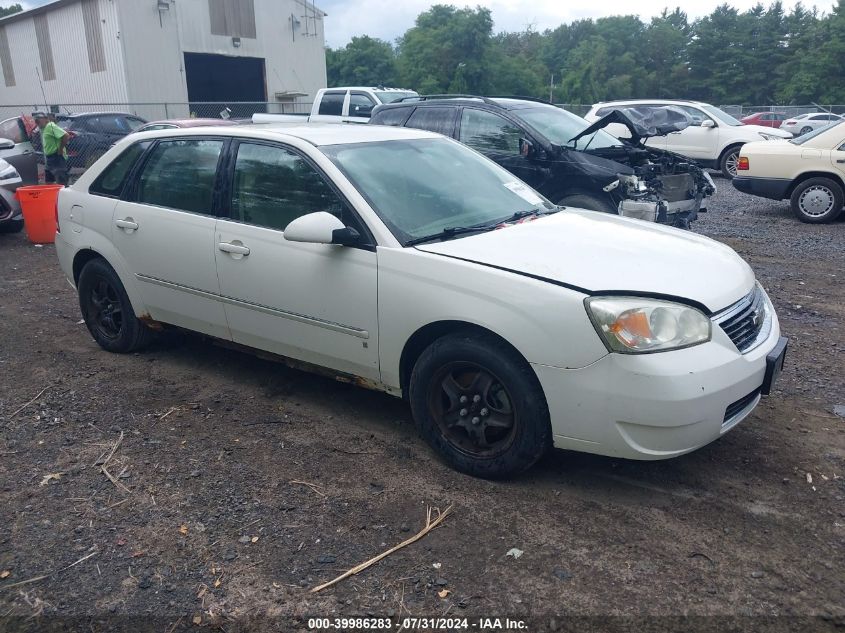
{"x":452,"y":231}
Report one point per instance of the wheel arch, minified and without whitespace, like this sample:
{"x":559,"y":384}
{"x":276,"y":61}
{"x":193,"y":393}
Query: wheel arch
{"x":815,"y":174}
{"x":427,"y":334}
{"x":729,"y":147}
{"x":87,"y":254}
{"x":81,"y":258}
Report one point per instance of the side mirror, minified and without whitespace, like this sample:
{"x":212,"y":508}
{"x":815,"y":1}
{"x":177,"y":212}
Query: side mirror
{"x":708,"y":123}
{"x":526,"y":148}
{"x":321,"y":228}
{"x":6,"y":143}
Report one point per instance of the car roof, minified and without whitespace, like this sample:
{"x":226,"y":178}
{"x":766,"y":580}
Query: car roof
{"x":79,"y":115}
{"x":317,"y":134}
{"x":184,"y":123}
{"x":603,"y":104}
{"x":382,"y":89}
{"x":506,"y":103}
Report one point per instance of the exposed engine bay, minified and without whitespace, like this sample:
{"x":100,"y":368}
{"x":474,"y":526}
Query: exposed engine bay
{"x":664,"y":187}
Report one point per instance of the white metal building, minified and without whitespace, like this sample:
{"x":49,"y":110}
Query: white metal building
{"x":154,"y":51}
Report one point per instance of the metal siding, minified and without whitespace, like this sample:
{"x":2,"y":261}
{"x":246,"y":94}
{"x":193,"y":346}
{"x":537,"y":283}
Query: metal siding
{"x":6,"y":58}
{"x":232,"y":18}
{"x":74,"y":82}
{"x":217,"y":11}
{"x":293,"y":63}
{"x":93,"y":35}
{"x":45,"y":47}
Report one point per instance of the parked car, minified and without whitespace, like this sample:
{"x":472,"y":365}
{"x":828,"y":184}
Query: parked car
{"x":93,"y":133}
{"x":809,"y":171}
{"x":21,"y":153}
{"x":806,"y":123}
{"x":713,"y":140}
{"x":11,"y":219}
{"x":172,"y":124}
{"x":562,"y":157}
{"x":404,"y":261}
{"x":341,"y":105}
{"x":766,"y":119}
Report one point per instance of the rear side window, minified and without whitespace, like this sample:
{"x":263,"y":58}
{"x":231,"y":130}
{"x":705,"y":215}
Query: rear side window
{"x":180,"y":175}
{"x":391,"y":116}
{"x":14,"y":130}
{"x":332,"y":103}
{"x":111,"y":182}
{"x":440,"y":120}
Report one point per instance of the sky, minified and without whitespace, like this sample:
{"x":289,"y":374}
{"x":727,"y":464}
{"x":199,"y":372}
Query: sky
{"x":389,"y":19}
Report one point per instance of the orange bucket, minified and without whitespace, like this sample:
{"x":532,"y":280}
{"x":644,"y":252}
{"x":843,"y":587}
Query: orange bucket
{"x":38,"y":204}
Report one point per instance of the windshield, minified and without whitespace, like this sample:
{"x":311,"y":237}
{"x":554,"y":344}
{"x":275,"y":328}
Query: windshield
{"x":419,"y":187}
{"x":558,"y":125}
{"x":394,"y":95}
{"x":800,"y":140}
{"x":719,"y":115}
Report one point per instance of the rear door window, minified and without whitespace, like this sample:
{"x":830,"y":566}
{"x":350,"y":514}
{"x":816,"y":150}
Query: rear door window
{"x":332,"y":103}
{"x":391,"y":116}
{"x":440,"y":120}
{"x":13,"y":130}
{"x":180,"y":174}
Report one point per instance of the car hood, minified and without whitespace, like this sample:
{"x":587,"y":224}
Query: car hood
{"x":600,"y":253}
{"x":771,"y":131}
{"x":642,"y":122}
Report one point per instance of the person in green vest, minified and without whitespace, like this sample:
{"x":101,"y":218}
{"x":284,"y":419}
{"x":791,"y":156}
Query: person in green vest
{"x":54,"y":142}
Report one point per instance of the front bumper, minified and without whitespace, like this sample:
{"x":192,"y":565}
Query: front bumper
{"x":656,"y":406}
{"x":772,"y":188}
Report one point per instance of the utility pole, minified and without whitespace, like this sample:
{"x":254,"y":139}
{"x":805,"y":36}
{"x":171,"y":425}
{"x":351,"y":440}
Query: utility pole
{"x":552,"y":89}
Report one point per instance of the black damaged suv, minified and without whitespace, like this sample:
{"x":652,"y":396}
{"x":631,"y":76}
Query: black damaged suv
{"x":565,"y":158}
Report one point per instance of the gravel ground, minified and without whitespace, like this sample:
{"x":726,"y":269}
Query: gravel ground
{"x":235,"y":485}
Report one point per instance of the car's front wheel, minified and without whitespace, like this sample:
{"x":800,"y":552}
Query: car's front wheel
{"x":729,"y":162}
{"x":479,"y":405}
{"x":107,"y":311}
{"x":817,"y":200}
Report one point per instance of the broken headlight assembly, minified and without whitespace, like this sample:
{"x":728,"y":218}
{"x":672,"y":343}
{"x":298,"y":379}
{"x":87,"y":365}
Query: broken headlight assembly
{"x":637,"y":325}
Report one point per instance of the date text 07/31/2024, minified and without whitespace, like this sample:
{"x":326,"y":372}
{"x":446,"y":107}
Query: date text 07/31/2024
{"x":417,"y":623}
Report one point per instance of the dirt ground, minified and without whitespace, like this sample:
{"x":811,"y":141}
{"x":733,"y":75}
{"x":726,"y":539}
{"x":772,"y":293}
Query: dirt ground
{"x":239,"y":484}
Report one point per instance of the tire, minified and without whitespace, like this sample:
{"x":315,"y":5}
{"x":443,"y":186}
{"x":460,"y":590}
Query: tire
{"x":728,"y":162}
{"x":505,"y":425}
{"x":805,"y":130}
{"x":107,"y":311}
{"x":817,"y":200}
{"x":12,"y":226}
{"x":586,"y":201}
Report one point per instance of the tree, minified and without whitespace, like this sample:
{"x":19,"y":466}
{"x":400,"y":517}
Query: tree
{"x":365,"y":61}
{"x":447,"y":50}
{"x":10,"y":10}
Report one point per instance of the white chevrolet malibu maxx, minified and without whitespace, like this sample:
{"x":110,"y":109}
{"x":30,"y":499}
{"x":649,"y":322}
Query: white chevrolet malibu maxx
{"x":406,"y":262}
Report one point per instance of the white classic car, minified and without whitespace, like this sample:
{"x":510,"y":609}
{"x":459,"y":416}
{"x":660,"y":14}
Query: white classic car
{"x":808,"y":170}
{"x":407,"y":262}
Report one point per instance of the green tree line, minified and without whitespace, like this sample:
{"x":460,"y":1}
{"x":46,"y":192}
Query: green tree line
{"x":765,"y":55}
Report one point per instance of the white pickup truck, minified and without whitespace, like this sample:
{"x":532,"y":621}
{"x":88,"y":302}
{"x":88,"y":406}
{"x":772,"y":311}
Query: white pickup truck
{"x":341,"y":105}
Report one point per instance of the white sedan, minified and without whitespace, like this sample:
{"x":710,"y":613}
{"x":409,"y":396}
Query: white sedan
{"x":809,"y":171}
{"x":406,"y":262}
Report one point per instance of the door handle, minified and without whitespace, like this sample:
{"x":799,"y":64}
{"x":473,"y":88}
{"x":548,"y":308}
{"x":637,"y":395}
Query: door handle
{"x":232,"y":248}
{"x":127,"y":223}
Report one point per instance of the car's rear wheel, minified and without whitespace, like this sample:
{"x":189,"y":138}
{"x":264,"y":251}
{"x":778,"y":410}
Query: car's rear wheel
{"x":805,"y":130}
{"x":107,"y":311}
{"x":11,"y":226}
{"x":586,"y":201}
{"x":480,"y":405}
{"x":817,"y":200}
{"x":729,"y":162}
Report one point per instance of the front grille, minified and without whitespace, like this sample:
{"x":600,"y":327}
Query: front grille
{"x":744,"y":320}
{"x":739,"y":405}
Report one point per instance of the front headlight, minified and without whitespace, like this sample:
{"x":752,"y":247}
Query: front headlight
{"x":769,"y":137}
{"x":634,"y":325}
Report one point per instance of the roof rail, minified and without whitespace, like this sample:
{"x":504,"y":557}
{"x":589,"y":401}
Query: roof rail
{"x":434,"y":97}
{"x":534,"y":99}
